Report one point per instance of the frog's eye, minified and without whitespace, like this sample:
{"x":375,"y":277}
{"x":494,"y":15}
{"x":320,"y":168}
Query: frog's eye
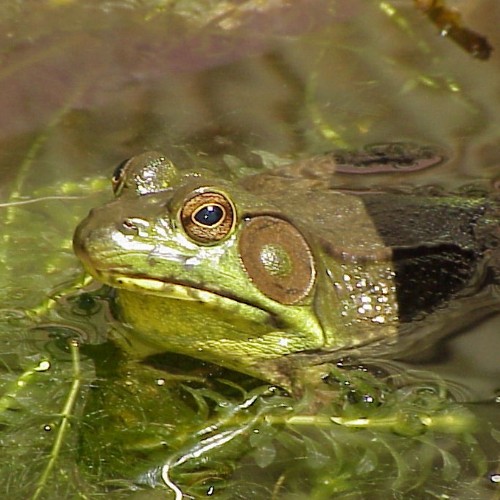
{"x":118,"y":177}
{"x":277,"y":259}
{"x":143,"y":174}
{"x":208,"y":217}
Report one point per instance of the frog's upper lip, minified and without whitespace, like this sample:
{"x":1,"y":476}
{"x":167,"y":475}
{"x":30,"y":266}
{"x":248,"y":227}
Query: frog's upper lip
{"x":166,"y":287}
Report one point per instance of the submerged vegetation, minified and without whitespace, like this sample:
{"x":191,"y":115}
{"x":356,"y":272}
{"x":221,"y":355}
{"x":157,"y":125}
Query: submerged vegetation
{"x":97,"y":422}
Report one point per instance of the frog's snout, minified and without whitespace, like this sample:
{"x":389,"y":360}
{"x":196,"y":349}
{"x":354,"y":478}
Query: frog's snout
{"x":89,"y":237}
{"x":81,"y":237}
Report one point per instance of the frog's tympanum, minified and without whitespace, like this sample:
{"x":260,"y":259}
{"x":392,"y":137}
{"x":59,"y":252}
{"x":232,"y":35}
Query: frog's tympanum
{"x":278,"y":269}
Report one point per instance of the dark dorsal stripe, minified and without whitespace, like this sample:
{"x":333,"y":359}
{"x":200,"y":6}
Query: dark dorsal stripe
{"x":435,"y":250}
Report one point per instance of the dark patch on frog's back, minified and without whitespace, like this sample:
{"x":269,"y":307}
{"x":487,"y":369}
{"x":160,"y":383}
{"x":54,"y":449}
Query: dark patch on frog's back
{"x":436,"y":253}
{"x":387,"y":157}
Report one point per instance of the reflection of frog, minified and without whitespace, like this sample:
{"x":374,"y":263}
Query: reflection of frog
{"x":248,"y":274}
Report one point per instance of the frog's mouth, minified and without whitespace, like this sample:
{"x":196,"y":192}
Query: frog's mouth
{"x":187,"y":292}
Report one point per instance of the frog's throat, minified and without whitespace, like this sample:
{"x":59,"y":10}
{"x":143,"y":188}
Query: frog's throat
{"x":178,"y":291}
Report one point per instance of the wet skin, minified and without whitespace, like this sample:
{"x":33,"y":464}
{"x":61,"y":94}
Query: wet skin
{"x":279,"y":269}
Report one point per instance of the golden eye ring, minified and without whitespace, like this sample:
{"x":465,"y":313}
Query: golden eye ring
{"x":208,"y":217}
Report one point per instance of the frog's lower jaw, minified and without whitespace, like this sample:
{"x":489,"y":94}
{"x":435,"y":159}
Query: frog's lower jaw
{"x":199,"y":323}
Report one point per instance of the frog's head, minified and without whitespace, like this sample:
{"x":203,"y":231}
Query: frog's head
{"x":202,"y":267}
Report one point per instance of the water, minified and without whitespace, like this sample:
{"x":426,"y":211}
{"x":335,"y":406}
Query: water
{"x":85,"y":85}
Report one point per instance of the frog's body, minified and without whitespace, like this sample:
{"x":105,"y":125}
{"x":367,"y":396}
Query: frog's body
{"x":248,"y":274}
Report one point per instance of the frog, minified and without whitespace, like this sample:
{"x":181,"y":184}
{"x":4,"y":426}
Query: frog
{"x":280,"y":271}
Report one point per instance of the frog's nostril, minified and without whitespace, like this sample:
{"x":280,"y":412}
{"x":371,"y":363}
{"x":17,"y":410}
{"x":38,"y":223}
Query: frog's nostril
{"x":128,"y":227}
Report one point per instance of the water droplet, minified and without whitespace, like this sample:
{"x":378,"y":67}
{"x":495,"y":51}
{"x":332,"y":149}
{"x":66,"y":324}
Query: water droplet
{"x":495,"y":477}
{"x":160,"y":381}
{"x":47,"y":427}
{"x":283,"y":342}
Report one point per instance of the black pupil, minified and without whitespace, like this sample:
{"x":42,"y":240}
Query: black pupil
{"x":119,"y":170}
{"x":209,"y":215}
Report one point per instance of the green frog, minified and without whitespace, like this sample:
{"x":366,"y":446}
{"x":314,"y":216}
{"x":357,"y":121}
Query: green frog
{"x":281,"y":270}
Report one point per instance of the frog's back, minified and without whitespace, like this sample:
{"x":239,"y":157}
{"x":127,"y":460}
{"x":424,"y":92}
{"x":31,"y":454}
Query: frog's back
{"x":441,"y":248}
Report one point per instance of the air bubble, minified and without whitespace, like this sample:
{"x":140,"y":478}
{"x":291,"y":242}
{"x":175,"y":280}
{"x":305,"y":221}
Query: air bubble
{"x":43,"y":366}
